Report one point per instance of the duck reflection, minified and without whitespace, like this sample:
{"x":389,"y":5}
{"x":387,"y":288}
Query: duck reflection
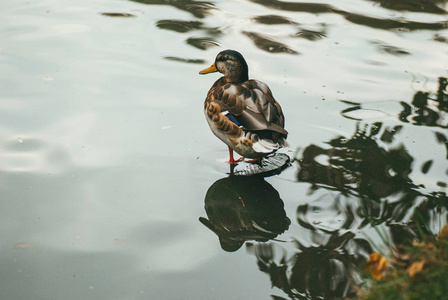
{"x":242,"y":208}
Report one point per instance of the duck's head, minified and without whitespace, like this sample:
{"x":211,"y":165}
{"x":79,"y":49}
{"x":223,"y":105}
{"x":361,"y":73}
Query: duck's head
{"x":230,"y":63}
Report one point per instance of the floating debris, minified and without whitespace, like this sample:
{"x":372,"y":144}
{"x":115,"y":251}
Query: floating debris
{"x":415,"y":268}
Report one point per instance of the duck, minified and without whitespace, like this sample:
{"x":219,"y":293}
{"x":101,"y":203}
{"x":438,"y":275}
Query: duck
{"x":242,"y":112}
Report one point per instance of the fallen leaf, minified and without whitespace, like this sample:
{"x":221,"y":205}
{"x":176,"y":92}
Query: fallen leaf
{"x":376,"y":265}
{"x":415,"y":268}
{"x":417,"y":244}
{"x":119,"y":242}
{"x":21,"y":245}
{"x":443,"y":235}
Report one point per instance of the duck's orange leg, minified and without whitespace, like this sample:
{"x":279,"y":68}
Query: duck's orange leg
{"x":232,"y":161}
{"x":253,"y":161}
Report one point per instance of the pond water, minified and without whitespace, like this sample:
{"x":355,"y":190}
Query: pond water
{"x":107,"y":162}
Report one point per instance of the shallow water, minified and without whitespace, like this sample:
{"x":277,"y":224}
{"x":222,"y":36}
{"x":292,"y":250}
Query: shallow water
{"x":107,"y":162}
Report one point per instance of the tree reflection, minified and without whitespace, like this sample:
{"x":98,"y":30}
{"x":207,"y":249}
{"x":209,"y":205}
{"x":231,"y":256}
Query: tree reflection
{"x":209,"y":35}
{"x":359,"y":165}
{"x":421,"y":112}
{"x":268,"y":44}
{"x":326,"y":271}
{"x":379,"y":23}
{"x":199,"y":9}
{"x":427,"y":6}
{"x":363,"y":199}
{"x":241,"y":208}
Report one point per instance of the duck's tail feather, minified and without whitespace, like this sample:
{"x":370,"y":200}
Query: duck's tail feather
{"x":269,"y":146}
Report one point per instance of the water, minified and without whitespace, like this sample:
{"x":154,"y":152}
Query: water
{"x":106,"y":159}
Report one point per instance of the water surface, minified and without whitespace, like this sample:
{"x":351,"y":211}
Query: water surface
{"x":107,"y":160}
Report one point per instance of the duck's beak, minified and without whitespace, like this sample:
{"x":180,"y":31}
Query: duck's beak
{"x":210,"y":69}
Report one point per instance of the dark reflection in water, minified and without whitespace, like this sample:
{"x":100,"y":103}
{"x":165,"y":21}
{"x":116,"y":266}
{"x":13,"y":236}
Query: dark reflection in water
{"x":390,"y":49}
{"x":273,"y":20}
{"x":179,"y":25}
{"x":310,"y":35}
{"x":314,"y":8}
{"x":428,"y":109}
{"x":427,"y":6}
{"x":186,"y":26}
{"x":421,"y":112}
{"x":199,"y":9}
{"x":367,"y":179}
{"x":185,"y":60}
{"x":182,"y":26}
{"x":389,"y":24}
{"x":115,"y":15}
{"x":327,"y":271}
{"x":440,"y":38}
{"x":368,"y":186}
{"x":241,"y":208}
{"x":359,"y":165}
{"x":379,"y":23}
{"x":202,"y":43}
{"x":370,"y":203}
{"x":208,"y":38}
{"x":268,"y":44}
{"x":365,"y":167}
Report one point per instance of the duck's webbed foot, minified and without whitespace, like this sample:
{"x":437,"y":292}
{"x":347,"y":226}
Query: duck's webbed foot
{"x":231,"y":160}
{"x":254,"y":161}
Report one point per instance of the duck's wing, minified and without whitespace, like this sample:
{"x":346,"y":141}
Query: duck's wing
{"x":252,"y":104}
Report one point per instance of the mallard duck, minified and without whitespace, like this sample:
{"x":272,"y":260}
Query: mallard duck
{"x":241,"y":112}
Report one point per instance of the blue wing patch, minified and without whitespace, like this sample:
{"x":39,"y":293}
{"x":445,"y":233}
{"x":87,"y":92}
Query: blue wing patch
{"x":231,"y":118}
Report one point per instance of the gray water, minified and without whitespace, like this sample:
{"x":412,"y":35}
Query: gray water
{"x":106,"y":158}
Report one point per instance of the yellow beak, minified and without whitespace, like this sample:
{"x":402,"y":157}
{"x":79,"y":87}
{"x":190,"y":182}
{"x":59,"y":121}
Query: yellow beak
{"x":210,"y":69}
